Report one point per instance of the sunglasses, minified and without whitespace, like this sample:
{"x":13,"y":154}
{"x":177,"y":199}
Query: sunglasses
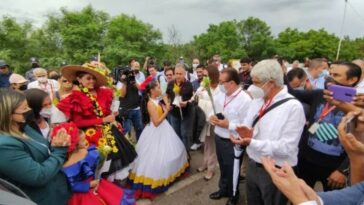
{"x":2,"y":68}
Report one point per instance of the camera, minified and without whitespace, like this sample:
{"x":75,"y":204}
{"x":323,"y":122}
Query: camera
{"x":127,"y":75}
{"x":124,"y":74}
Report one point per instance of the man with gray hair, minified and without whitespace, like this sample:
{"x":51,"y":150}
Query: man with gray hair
{"x":180,"y":91}
{"x":273,"y":127}
{"x":42,"y":82}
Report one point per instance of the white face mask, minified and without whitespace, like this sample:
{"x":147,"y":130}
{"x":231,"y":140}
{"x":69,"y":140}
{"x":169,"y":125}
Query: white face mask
{"x":42,"y":79}
{"x":256,"y":91}
{"x":194,"y":65}
{"x":222,"y":88}
{"x":46,"y":112}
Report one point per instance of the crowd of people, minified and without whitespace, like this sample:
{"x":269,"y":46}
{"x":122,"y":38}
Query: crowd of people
{"x":85,"y":135}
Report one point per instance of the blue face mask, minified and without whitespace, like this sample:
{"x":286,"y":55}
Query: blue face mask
{"x":324,"y":73}
{"x":222,"y":88}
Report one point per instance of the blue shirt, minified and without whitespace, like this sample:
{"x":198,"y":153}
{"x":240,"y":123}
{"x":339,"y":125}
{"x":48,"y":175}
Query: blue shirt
{"x":318,"y":83}
{"x":4,"y":80}
{"x":140,"y":77}
{"x":353,"y":195}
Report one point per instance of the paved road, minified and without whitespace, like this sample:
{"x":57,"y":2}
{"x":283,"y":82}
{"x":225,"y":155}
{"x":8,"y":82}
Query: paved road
{"x":193,"y":190}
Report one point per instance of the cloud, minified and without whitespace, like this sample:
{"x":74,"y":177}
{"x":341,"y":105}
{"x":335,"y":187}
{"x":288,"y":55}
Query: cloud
{"x":192,"y":17}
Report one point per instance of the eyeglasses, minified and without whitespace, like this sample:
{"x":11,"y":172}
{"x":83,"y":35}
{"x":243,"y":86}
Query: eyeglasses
{"x":2,"y":68}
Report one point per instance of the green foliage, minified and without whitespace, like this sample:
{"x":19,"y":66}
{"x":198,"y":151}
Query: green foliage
{"x":128,"y":38}
{"x":13,"y":42}
{"x":223,"y":39}
{"x":293,"y":44}
{"x":257,"y":39}
{"x":74,"y":36}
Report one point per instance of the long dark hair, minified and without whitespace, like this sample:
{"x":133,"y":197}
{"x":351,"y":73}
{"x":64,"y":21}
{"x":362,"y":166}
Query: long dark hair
{"x":145,"y":99}
{"x":35,"y":98}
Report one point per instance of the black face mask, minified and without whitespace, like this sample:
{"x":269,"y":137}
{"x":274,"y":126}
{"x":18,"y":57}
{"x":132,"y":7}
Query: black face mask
{"x":22,"y":87}
{"x":28,"y":117}
{"x":329,"y":79}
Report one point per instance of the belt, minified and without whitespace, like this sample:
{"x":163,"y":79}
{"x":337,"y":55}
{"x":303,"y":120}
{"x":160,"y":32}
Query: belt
{"x":224,"y":139}
{"x":257,"y":164}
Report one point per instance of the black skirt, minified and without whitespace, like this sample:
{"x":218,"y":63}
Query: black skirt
{"x":125,"y":155}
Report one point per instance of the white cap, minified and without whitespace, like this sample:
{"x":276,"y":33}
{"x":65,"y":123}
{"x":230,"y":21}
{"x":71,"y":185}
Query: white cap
{"x":16,"y":78}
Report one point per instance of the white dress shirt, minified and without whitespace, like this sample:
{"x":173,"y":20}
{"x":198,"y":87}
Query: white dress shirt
{"x":278,"y":132}
{"x":50,"y":87}
{"x":236,"y":108}
{"x":139,"y":77}
{"x":360,"y":87}
{"x":312,"y":202}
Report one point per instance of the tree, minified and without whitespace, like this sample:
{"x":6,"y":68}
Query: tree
{"x":293,"y":44}
{"x":352,"y":49}
{"x":129,"y":37}
{"x":13,"y":41}
{"x":257,"y":39}
{"x":222,"y":39}
{"x":81,"y":33}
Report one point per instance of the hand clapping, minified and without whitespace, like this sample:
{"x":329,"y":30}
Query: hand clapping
{"x":62,"y":139}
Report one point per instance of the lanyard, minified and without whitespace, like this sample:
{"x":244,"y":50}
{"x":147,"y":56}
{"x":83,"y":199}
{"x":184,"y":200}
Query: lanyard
{"x":326,"y":111}
{"x":232,"y":98}
{"x":264,"y":108}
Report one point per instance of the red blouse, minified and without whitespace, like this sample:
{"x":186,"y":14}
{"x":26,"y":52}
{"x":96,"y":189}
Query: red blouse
{"x":79,"y":109}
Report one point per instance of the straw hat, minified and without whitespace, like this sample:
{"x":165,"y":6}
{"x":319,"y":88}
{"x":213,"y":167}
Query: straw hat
{"x":100,"y":72}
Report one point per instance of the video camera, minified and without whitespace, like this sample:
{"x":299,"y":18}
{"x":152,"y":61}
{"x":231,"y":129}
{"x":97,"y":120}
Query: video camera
{"x":124,"y":74}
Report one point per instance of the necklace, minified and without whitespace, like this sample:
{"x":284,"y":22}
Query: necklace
{"x":106,"y":143}
{"x":95,"y":104}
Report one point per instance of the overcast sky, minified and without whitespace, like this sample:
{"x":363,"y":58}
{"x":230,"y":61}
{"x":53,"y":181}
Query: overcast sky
{"x":192,"y":17}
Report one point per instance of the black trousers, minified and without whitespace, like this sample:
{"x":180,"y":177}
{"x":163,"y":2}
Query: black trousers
{"x":312,"y":173}
{"x":260,"y":188}
{"x":225,"y":157}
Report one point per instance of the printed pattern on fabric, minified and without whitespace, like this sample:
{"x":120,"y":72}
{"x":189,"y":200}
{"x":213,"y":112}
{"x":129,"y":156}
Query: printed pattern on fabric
{"x":325,"y":140}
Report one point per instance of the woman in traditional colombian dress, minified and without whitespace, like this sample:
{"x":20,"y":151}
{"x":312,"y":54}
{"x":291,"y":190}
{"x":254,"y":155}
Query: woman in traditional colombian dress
{"x":162,"y":157}
{"x":88,"y":106}
{"x":80,"y":167}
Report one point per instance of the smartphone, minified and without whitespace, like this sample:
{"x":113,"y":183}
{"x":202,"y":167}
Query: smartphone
{"x":220,"y":116}
{"x":342,"y":93}
{"x":350,"y":124}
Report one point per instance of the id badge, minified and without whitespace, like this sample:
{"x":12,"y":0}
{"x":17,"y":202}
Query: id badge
{"x":314,"y":128}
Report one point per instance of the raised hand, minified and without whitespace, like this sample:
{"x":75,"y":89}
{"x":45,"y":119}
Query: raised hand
{"x":62,"y":139}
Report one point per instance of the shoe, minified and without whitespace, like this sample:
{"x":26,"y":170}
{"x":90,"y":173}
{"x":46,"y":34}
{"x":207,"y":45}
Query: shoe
{"x":217,"y":195}
{"x":201,"y":169}
{"x":233,"y":200}
{"x":195,"y":147}
{"x":209,"y":176}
